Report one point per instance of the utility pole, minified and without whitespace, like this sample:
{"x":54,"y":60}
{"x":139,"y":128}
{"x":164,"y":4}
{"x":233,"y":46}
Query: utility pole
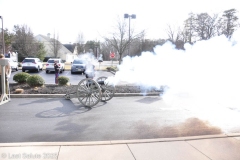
{"x":3,"y":43}
{"x":133,"y":16}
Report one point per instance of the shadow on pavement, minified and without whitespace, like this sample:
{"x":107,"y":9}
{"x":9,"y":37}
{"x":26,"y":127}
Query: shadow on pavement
{"x":68,"y":108}
{"x":149,"y":100}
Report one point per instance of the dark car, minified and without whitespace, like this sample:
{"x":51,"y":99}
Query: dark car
{"x":78,"y":66}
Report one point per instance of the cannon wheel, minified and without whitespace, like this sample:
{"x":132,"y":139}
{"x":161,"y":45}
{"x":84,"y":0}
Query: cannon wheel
{"x":89,"y":92}
{"x":108,"y":90}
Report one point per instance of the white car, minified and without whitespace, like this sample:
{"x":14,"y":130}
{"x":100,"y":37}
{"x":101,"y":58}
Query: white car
{"x":32,"y":64}
{"x":50,"y":65}
{"x":13,"y":64}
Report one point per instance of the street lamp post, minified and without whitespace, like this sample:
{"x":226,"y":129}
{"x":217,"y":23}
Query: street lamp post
{"x":133,"y":16}
{"x":3,"y":44}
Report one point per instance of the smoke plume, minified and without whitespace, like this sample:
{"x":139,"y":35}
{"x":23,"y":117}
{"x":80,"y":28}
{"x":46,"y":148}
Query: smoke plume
{"x":205,"y":75}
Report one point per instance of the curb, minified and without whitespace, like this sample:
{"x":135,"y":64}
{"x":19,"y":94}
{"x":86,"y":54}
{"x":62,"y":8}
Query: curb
{"x":114,"y":142}
{"x":62,"y":95}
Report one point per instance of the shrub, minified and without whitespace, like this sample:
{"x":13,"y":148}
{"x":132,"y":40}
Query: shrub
{"x":113,"y":68}
{"x":21,"y":77}
{"x":35,"y":81}
{"x":62,"y":80}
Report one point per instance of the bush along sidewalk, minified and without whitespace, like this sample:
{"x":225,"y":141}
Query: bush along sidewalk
{"x":112,"y":69}
{"x":62,"y":80}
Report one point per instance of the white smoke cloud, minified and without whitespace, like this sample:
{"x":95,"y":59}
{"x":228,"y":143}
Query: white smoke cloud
{"x":204,"y":76}
{"x":90,"y":60}
{"x":89,"y":56}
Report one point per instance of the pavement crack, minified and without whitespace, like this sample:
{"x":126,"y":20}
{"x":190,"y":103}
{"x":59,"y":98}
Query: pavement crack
{"x":58,"y":152}
{"x":198,"y":150}
{"x":131,"y":152}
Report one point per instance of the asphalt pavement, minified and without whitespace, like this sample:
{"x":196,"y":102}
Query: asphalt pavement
{"x":125,"y":128}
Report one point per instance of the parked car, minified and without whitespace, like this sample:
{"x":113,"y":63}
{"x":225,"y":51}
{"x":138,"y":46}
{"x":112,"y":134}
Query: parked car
{"x":50,"y":65}
{"x":32,"y":64}
{"x":78,"y":66}
{"x":13,"y":64}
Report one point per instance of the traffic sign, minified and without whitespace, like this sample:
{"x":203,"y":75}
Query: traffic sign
{"x":112,"y":55}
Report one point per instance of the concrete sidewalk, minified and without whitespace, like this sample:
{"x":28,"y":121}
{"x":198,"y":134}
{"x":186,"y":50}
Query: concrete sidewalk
{"x":214,"y":147}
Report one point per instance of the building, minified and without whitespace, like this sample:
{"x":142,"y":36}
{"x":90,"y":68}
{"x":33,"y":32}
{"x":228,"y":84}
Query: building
{"x":63,"y":52}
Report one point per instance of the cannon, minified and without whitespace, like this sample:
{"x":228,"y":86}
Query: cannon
{"x":89,"y":91}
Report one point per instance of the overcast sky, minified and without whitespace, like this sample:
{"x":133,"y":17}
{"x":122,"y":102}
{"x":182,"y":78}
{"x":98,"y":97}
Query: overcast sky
{"x":97,"y":17}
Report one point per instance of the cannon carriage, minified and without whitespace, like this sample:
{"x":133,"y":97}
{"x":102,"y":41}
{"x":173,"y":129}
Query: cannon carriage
{"x":90,"y":92}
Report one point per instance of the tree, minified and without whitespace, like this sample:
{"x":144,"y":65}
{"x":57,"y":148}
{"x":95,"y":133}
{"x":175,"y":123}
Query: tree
{"x":187,"y":35}
{"x":144,"y":45}
{"x":91,"y":47}
{"x":24,"y":42}
{"x":105,"y":50}
{"x":228,"y":22}
{"x":211,"y":27}
{"x":80,"y":44}
{"x":55,"y":45}
{"x":119,"y":39}
{"x":8,"y":38}
{"x":174,"y":36}
{"x":41,"y":52}
{"x":200,"y":25}
{"x":173,"y":33}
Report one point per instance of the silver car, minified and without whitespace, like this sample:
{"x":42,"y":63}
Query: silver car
{"x":78,"y":66}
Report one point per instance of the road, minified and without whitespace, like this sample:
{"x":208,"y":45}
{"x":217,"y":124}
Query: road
{"x":50,"y":77}
{"x":122,"y":118}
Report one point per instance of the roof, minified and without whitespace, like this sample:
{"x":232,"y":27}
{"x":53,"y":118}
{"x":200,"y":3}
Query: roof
{"x":43,"y":38}
{"x":70,"y":47}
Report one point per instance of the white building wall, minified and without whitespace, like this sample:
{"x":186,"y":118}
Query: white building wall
{"x":64,"y":53}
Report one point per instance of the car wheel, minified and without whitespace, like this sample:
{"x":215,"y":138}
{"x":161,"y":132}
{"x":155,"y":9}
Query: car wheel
{"x":47,"y":71}
{"x":23,"y":70}
{"x":16,"y":68}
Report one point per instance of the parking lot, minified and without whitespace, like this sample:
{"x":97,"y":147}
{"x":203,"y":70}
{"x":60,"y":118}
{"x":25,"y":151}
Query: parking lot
{"x":50,"y":77}
{"x":74,"y":78}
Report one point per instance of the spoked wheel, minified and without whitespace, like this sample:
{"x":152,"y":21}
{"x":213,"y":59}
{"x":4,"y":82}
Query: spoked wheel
{"x":108,"y":90}
{"x":89,"y":92}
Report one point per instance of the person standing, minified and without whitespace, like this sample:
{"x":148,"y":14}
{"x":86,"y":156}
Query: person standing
{"x":57,"y":68}
{"x":7,"y":74}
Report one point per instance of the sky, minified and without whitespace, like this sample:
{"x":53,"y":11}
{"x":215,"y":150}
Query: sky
{"x":96,"y":18}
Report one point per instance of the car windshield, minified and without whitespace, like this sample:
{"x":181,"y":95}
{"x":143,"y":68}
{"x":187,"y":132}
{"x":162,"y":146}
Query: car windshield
{"x":78,"y":62}
{"x":52,"y":61}
{"x":28,"y":60}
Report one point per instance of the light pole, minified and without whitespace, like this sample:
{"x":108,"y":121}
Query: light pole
{"x":3,"y":44}
{"x":133,"y":16}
